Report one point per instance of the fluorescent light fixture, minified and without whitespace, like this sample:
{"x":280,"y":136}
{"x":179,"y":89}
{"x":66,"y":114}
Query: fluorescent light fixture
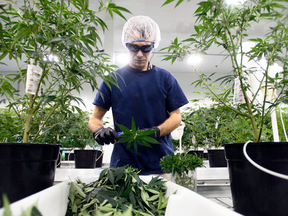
{"x":194,"y":59}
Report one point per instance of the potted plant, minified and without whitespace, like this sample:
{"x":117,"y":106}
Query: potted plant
{"x":190,"y":139}
{"x":183,"y":168}
{"x":256,"y":90}
{"x":57,"y":48}
{"x":78,"y":138}
{"x":72,"y":133}
{"x":214,"y":125}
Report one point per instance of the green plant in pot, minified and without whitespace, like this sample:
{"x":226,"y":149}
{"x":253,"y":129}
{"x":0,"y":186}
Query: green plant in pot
{"x":56,"y":47}
{"x":257,"y":88}
{"x":183,"y":168}
{"x":190,"y":139}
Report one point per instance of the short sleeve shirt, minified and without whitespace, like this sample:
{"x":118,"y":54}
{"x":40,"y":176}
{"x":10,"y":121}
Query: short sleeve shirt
{"x":148,"y":97}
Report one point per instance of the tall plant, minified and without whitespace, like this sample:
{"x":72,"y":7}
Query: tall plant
{"x":63,"y":39}
{"x":228,"y":26}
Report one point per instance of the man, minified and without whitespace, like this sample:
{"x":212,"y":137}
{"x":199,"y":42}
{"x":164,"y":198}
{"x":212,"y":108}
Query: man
{"x":148,"y":94}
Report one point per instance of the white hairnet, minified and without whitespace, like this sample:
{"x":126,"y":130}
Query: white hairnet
{"x":141,"y":28}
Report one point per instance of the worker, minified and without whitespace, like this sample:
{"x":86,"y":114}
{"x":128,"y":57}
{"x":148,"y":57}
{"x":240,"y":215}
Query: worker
{"x":148,"y":94}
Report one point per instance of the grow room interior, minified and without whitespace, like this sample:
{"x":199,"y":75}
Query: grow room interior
{"x":212,"y":183}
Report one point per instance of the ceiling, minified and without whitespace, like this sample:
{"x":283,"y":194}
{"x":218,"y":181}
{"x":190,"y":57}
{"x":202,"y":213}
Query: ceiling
{"x":173,"y":22}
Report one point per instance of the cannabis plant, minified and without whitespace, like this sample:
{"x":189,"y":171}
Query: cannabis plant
{"x":59,"y":43}
{"x":183,"y":168}
{"x":228,"y":27}
{"x":180,"y":163}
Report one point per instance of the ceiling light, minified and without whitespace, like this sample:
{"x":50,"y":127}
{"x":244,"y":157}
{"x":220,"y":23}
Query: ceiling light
{"x":122,"y":58}
{"x":194,"y":59}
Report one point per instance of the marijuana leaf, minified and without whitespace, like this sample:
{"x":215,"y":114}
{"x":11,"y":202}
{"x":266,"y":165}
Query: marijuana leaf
{"x":135,"y":136}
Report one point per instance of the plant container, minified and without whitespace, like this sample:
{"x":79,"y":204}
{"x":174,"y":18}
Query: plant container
{"x":85,"y":158}
{"x":26,"y":168}
{"x":187,"y":180}
{"x":217,"y":158}
{"x":199,"y":153}
{"x":69,"y":156}
{"x":255,"y":192}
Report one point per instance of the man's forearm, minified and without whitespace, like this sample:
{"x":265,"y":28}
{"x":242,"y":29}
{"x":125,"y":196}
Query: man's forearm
{"x":95,"y":120}
{"x":171,"y":123}
{"x":94,"y":124}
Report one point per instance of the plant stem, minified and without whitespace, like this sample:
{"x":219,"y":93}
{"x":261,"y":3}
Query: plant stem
{"x":28,"y":120}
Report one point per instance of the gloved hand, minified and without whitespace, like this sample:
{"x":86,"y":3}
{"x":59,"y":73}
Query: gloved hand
{"x":105,"y":136}
{"x":155,"y":135}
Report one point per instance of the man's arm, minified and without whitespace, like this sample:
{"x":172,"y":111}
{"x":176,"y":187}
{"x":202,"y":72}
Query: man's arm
{"x":95,"y":120}
{"x":101,"y":135}
{"x":171,"y":123}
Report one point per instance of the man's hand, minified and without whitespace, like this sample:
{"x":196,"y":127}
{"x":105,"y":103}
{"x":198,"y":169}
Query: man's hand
{"x":155,"y":135}
{"x":105,"y":136}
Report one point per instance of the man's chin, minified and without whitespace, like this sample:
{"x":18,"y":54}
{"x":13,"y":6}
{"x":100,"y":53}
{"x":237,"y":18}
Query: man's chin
{"x":139,"y":66}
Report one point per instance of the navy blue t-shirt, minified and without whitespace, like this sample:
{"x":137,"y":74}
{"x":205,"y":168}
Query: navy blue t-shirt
{"x":147,"y":97}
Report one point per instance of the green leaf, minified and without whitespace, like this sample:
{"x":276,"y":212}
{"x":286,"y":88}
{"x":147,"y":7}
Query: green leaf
{"x":127,"y":191}
{"x":133,"y":126}
{"x":111,"y":176}
{"x":143,"y":143}
{"x":79,"y":190}
{"x":167,"y":2}
{"x":124,"y":129}
{"x":35,"y":212}
{"x":151,"y":140}
{"x":6,"y":203}
{"x":124,"y":139}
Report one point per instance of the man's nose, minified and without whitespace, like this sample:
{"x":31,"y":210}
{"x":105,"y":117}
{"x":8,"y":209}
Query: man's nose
{"x":139,"y":53}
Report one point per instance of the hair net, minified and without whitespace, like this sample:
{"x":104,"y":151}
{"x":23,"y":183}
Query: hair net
{"x":141,"y":28}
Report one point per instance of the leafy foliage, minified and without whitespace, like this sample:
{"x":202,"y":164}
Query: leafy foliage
{"x":10,"y":127}
{"x":30,"y":211}
{"x":216,"y":125}
{"x":118,"y":191}
{"x":40,"y":29}
{"x":227,"y":27}
{"x":135,"y":136}
{"x":180,"y":163}
{"x":284,"y":114}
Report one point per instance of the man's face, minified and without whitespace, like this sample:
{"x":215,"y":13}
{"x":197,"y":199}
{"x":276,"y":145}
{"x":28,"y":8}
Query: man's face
{"x":139,"y":59}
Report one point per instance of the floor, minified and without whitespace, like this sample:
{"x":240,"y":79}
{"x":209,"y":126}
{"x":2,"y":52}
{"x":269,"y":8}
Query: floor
{"x":213,"y":183}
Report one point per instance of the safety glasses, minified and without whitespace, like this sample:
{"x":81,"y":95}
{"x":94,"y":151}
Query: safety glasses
{"x":135,"y":48}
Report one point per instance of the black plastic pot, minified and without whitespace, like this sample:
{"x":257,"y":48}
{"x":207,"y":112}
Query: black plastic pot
{"x":69,"y":156}
{"x":254,"y":192}
{"x":205,"y":155}
{"x":99,"y":158}
{"x":85,"y":158}
{"x":199,"y":153}
{"x":26,"y":168}
{"x":217,"y":158}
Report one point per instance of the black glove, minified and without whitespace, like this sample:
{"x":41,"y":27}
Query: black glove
{"x":105,"y":136}
{"x":155,"y":135}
